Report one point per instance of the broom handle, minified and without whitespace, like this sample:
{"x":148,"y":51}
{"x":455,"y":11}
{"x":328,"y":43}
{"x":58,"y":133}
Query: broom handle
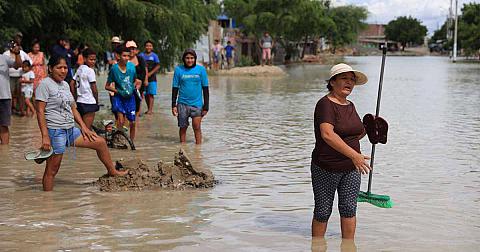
{"x":377,"y":112}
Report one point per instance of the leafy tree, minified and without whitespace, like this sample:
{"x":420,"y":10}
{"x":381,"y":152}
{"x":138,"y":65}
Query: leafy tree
{"x":347,"y":21}
{"x":469,"y":29}
{"x":406,"y":30}
{"x":440,"y":34}
{"x":310,"y":21}
{"x":297,"y":21}
{"x":172,"y":24}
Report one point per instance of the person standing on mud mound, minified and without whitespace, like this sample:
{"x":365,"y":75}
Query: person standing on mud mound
{"x":56,"y":116}
{"x":190,"y":81}
{"x":266,"y":43}
{"x":153,"y":65}
{"x":337,"y":162}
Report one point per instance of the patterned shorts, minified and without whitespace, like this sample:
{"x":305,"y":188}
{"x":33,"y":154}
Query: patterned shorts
{"x":325,"y":183}
{"x":184,"y":112}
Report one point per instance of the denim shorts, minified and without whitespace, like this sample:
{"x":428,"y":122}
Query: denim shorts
{"x":62,"y":138}
{"x":184,"y":112}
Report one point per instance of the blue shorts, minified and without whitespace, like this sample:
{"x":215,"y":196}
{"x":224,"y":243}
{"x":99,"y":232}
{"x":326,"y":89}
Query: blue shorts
{"x":151,"y":89}
{"x":62,"y":138}
{"x":184,"y":112}
{"x":125,"y":106}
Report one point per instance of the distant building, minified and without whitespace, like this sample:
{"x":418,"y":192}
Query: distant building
{"x":374,"y":36}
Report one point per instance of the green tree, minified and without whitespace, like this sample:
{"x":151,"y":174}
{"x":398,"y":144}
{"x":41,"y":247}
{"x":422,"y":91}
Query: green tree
{"x":310,"y":20}
{"x":297,"y":21}
{"x":347,"y":21}
{"x":469,"y":29}
{"x":406,"y":30}
{"x":172,"y":24}
{"x":440,"y":34}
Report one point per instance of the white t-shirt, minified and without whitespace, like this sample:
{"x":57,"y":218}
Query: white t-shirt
{"x":28,"y":76}
{"x":83,"y":77}
{"x":17,"y":72}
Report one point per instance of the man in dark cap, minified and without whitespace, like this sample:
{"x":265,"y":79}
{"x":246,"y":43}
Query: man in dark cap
{"x":190,"y":81}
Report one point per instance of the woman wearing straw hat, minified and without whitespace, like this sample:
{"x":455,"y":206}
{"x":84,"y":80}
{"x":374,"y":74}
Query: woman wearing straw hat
{"x":336,"y":159}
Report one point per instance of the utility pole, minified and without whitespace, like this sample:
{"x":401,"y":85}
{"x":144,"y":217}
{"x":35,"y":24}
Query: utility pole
{"x":449,"y":22}
{"x":455,"y":34}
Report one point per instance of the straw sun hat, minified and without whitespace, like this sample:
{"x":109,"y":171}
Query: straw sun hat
{"x":344,"y":68}
{"x":116,"y":39}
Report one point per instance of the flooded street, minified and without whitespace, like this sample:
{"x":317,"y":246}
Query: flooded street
{"x":258,"y":138}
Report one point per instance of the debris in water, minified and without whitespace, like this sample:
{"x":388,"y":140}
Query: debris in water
{"x":179,"y":175}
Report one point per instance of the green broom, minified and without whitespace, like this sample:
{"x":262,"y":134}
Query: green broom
{"x":382,"y":201}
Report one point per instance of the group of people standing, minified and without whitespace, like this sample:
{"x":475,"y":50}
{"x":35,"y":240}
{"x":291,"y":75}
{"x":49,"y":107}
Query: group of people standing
{"x":222,"y":55}
{"x":63,"y":98}
{"x":18,"y":80}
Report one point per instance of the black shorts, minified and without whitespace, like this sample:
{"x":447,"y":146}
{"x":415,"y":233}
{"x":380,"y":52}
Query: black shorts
{"x":84,"y":108}
{"x":5,"y":112}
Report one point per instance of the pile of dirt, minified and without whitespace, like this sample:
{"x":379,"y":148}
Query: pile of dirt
{"x":254,"y":71}
{"x":178,"y":176}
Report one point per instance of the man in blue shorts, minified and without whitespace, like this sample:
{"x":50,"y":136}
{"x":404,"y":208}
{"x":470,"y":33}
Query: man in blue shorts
{"x":189,"y":82}
{"x":153,"y":65}
{"x":123,"y":75}
{"x":229,"y":54}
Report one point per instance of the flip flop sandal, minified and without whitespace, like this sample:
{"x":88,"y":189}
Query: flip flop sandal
{"x":370,"y":127}
{"x":382,"y":130}
{"x":39,"y":156}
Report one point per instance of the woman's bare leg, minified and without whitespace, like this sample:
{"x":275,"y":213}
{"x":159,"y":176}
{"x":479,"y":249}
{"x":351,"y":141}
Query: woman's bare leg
{"x":318,"y":228}
{"x":348,"y":226}
{"x":51,"y":169}
{"x":102,"y":152}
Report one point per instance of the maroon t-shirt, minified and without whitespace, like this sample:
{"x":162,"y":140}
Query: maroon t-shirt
{"x":346,"y":123}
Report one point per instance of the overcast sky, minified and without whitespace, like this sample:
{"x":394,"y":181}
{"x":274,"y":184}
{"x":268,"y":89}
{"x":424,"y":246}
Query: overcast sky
{"x":432,"y":13}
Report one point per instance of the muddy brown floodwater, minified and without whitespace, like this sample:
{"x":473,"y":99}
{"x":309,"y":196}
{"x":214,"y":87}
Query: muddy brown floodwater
{"x":177,"y":175}
{"x":258,"y":138}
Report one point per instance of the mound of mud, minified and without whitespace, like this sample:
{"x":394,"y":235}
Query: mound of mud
{"x":254,"y":71}
{"x":179,"y":175}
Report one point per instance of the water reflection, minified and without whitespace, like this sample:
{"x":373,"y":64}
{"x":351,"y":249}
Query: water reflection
{"x":321,"y":245}
{"x":258,"y":141}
